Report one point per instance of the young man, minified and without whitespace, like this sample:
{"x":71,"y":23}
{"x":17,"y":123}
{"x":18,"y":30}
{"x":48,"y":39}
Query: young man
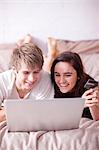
{"x":25,"y":78}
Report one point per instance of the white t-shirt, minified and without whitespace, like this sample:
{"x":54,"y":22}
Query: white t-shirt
{"x":43,"y":89}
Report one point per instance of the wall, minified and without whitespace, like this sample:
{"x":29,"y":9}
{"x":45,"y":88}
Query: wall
{"x":67,"y":19}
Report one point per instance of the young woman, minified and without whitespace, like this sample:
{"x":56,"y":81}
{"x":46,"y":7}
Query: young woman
{"x":69,"y":78}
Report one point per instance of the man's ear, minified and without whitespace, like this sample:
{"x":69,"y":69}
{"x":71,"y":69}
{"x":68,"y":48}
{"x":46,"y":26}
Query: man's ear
{"x":14,"y":69}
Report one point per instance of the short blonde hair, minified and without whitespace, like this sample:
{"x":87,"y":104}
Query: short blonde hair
{"x":29,"y":53}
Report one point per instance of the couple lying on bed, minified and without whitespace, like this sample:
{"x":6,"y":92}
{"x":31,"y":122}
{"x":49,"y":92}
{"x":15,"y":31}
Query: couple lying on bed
{"x":26,"y":79}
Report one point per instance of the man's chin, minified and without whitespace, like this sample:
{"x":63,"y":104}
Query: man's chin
{"x":28,"y":87}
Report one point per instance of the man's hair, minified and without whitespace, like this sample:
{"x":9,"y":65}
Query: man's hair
{"x":28,"y":53}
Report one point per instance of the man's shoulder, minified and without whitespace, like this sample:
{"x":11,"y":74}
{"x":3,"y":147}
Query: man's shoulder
{"x":44,"y":87}
{"x":7,"y":75}
{"x":45,"y":76}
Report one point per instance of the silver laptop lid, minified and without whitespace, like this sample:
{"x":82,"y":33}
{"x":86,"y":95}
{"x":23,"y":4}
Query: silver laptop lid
{"x":34,"y":115}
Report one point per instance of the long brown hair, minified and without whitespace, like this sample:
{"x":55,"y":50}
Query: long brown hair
{"x":76,"y":62}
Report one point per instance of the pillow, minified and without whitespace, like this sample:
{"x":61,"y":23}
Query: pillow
{"x":91,"y":64}
{"x":56,"y":46}
{"x":87,"y":49}
{"x":5,"y":53}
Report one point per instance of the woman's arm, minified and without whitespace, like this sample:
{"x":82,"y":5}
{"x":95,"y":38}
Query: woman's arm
{"x":95,"y":112}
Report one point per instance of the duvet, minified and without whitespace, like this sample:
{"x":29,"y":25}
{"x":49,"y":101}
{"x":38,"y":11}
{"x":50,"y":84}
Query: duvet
{"x":84,"y":138}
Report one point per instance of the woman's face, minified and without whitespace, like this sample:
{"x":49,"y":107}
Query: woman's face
{"x":65,"y":76}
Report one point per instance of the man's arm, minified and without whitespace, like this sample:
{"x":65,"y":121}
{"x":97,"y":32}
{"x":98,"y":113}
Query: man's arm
{"x":2,"y":114}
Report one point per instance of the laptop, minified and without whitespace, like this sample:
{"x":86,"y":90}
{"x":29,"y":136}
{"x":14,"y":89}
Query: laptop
{"x":47,"y":114}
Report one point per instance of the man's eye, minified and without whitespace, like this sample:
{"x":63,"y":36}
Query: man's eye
{"x":26,"y":72}
{"x":36,"y":72}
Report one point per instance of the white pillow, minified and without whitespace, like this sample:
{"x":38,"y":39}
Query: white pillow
{"x":91,"y":64}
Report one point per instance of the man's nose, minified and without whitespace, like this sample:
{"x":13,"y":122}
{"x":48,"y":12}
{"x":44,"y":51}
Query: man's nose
{"x":31,"y":77}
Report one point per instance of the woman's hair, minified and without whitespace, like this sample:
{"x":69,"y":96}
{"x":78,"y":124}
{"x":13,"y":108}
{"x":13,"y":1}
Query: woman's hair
{"x":28,"y":53}
{"x":76,"y":62}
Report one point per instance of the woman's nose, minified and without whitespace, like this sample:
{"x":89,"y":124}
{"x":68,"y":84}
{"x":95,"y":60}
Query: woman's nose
{"x":62,"y":79}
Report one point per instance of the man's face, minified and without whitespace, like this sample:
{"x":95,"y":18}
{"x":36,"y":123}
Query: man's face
{"x":27,"y":77}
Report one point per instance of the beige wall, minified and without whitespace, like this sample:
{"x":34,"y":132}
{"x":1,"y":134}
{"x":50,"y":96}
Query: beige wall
{"x":69,"y":19}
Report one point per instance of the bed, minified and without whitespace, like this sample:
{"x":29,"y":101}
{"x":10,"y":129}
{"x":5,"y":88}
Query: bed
{"x":84,"y":138}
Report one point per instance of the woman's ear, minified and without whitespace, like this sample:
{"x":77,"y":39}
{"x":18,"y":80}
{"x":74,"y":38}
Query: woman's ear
{"x":78,"y":78}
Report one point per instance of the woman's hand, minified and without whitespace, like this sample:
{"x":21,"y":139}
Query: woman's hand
{"x":91,"y":97}
{"x":92,"y":101}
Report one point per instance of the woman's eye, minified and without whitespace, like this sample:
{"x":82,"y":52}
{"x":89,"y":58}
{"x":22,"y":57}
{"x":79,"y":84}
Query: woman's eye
{"x":57,"y":75}
{"x":68,"y":75}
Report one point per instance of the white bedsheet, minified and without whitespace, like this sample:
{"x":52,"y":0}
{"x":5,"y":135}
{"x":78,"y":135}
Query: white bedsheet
{"x":84,"y":138}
